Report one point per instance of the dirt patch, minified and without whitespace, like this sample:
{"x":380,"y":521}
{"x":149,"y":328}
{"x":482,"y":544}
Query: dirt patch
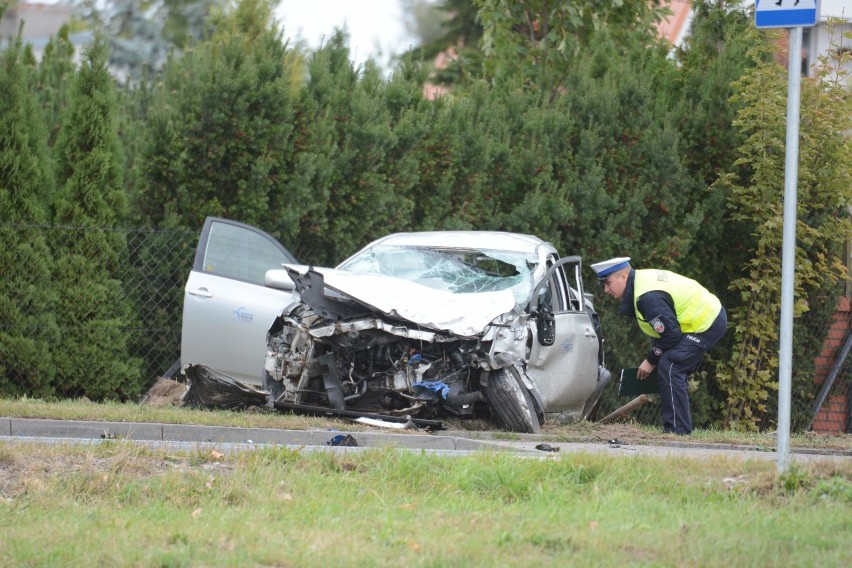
{"x":165,"y":392}
{"x":40,"y":468}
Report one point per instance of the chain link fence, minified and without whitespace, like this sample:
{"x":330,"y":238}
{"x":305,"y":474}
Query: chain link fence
{"x":159,"y":262}
{"x":156,"y":263}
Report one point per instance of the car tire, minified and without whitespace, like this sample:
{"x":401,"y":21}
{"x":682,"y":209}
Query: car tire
{"x":510,"y":401}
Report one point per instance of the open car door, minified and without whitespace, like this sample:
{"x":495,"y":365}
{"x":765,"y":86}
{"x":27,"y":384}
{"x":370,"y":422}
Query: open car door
{"x":562,"y":366}
{"x":227,"y":309}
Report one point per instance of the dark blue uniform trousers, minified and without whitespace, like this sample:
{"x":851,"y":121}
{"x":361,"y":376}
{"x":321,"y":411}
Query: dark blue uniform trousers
{"x":673,"y":371}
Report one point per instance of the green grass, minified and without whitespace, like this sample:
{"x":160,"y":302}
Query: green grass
{"x":121,"y":504}
{"x":130,"y":412}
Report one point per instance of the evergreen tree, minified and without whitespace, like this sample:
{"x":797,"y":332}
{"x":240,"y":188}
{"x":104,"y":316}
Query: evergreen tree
{"x":459,"y":36}
{"x":627,"y":176}
{"x":359,"y":198}
{"x":824,"y":192}
{"x":142,"y":33}
{"x":53,"y":76}
{"x":28,"y":329}
{"x":219,"y":144}
{"x":714,"y":56}
{"x":616,"y":153}
{"x":533,"y":44}
{"x":447,"y":143}
{"x":93,"y":358}
{"x":159,"y":259}
{"x":423,"y":19}
{"x":312,"y":168}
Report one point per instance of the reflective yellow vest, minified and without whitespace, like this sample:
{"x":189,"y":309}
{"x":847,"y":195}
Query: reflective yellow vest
{"x":695,"y":306}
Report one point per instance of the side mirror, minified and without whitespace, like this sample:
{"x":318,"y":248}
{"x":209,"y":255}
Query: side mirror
{"x":546,"y":325}
{"x":279,"y":279}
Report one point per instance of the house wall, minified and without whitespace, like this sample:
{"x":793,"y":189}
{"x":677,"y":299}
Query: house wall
{"x":834,"y":416}
{"x":676,"y":26}
{"x":40,"y":20}
{"x":822,"y":39}
{"x":41,"y":23}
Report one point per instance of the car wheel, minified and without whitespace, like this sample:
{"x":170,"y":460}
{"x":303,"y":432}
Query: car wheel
{"x":510,"y":401}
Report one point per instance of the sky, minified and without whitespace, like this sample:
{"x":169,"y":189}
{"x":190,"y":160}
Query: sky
{"x":375,"y":27}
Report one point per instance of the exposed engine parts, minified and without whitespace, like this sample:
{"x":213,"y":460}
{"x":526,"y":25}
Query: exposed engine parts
{"x":371,"y":364}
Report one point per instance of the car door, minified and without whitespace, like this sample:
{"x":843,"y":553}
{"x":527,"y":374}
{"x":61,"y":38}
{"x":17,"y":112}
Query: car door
{"x":565,"y":373}
{"x":227,"y":310}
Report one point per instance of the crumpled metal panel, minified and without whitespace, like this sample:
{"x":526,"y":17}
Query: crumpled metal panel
{"x":375,"y":323}
{"x":464,"y":314}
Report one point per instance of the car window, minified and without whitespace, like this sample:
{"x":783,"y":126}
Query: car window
{"x":557,"y":292}
{"x":553,"y":293}
{"x":236,"y":252}
{"x":453,"y":270}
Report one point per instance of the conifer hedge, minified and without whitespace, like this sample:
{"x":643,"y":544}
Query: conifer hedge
{"x":621,"y":150}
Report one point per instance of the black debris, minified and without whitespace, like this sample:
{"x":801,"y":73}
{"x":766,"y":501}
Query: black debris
{"x":211,"y":389}
{"x":342,"y":440}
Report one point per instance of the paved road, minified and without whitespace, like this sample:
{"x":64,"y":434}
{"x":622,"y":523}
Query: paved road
{"x":443,"y":442}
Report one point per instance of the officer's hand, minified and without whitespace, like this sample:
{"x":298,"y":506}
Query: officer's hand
{"x":645,"y":369}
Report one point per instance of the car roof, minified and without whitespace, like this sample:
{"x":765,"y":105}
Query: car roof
{"x":486,"y":240}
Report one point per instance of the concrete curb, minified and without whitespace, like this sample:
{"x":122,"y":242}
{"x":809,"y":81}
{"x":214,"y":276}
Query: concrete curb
{"x":449,"y":442}
{"x":139,"y":431}
{"x":527,"y":439}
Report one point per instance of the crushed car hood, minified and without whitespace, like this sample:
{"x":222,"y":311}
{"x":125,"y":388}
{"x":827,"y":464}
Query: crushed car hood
{"x":464,"y":314}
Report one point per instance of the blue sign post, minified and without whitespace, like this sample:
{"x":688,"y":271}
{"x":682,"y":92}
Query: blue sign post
{"x":786,"y":13}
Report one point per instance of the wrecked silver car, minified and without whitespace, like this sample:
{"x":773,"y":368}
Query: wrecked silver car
{"x":468,"y":324}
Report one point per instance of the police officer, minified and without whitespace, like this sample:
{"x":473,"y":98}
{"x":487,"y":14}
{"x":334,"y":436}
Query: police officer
{"x":682,"y":317}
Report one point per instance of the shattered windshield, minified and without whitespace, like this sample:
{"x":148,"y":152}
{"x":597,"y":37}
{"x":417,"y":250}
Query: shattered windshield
{"x":453,"y":270}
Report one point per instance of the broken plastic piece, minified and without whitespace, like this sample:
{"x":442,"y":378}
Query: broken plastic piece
{"x":439,"y":387}
{"x":342,"y":440}
{"x":381,"y":423}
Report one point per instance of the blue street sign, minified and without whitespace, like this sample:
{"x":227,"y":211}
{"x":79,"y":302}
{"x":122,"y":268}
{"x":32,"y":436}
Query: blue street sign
{"x":786,"y":13}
